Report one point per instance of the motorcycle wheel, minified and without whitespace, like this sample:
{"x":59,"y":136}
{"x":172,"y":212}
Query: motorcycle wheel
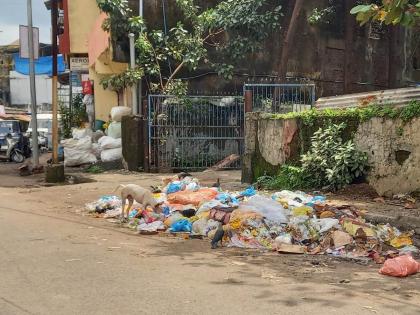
{"x":17,"y":157}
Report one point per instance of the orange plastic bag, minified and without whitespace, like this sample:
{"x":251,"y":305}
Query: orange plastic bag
{"x":192,"y":197}
{"x":401,"y":266}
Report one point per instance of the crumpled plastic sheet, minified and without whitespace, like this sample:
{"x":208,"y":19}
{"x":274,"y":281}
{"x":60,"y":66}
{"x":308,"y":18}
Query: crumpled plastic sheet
{"x":267,"y":207}
{"x":237,"y":241}
{"x":151,"y":227}
{"x":104,"y":204}
{"x":113,"y":213}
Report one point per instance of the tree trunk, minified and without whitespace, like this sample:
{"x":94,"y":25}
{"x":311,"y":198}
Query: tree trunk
{"x":289,"y":39}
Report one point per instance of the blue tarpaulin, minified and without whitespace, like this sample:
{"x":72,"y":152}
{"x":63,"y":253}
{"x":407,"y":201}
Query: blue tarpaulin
{"x":42,"y":66}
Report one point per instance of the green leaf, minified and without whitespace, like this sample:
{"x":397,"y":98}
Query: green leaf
{"x":361,"y":8}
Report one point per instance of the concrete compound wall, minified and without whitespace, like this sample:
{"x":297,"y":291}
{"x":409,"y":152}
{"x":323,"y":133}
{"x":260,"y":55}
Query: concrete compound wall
{"x":393,"y":148}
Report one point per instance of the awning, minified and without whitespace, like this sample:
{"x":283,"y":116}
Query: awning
{"x":42,"y":66}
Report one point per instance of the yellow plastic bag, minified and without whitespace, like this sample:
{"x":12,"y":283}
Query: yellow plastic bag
{"x":352,"y":228}
{"x":301,"y":211}
{"x":401,"y":241}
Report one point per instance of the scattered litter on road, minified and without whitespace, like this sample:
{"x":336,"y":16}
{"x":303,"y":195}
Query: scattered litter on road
{"x":370,"y":308}
{"x":285,"y":222}
{"x":113,"y":248}
{"x":345,"y":281}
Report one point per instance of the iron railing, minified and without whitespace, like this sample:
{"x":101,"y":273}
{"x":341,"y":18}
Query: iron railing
{"x":281,"y":98}
{"x":194,"y":132}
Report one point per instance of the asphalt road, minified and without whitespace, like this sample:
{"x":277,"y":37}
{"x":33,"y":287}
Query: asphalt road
{"x":53,"y":260}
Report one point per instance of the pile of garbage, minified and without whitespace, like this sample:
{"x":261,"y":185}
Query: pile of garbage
{"x":286,"y":221}
{"x":87,"y":147}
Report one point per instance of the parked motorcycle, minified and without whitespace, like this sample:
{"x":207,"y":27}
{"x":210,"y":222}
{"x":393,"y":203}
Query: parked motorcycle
{"x":14,"y":146}
{"x":42,"y":142}
{"x":11,"y":150}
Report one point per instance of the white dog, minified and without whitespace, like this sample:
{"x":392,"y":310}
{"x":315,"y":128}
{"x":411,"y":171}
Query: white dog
{"x":133,"y":192}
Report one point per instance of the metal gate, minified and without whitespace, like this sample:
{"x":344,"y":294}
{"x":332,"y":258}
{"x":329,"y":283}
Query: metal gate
{"x":281,"y":98}
{"x":194,"y":132}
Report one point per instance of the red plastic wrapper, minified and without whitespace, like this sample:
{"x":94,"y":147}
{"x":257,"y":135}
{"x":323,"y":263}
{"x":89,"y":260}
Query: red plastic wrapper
{"x":192,"y":197}
{"x":401,"y":266}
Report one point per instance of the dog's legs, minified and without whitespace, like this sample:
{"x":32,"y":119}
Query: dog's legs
{"x":122,"y":210}
{"x":130,"y":205}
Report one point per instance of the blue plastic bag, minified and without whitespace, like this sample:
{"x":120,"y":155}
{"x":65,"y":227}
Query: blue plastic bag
{"x":181,"y":226}
{"x":315,"y":200}
{"x":227,"y":199}
{"x":166,"y":211}
{"x":173,"y":188}
{"x":249,"y":192}
{"x":133,"y":213}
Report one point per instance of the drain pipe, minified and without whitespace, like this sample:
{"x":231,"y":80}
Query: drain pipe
{"x":133,"y":66}
{"x":139,"y":84}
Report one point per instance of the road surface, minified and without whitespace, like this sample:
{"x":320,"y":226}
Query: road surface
{"x":55,"y":260}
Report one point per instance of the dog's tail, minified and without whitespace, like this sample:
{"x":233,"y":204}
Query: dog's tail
{"x":118,"y":187}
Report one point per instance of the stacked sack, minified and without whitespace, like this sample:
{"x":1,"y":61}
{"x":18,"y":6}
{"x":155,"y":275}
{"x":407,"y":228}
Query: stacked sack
{"x":111,"y":145}
{"x":111,"y":149}
{"x":78,"y":150}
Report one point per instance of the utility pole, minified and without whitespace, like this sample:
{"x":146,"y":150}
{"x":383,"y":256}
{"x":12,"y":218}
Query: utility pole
{"x":35,"y":151}
{"x":54,"y":20}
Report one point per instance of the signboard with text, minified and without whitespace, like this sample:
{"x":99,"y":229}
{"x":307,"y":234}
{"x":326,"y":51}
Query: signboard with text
{"x":79,"y":63}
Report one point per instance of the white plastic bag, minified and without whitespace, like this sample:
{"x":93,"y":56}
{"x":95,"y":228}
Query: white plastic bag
{"x":211,"y":225}
{"x":98,"y":134}
{"x":267,"y":207}
{"x":208,"y":206}
{"x":80,"y":133}
{"x":114,"y":130}
{"x":117,"y":113}
{"x":111,"y":155}
{"x":151,"y":227}
{"x":78,"y":152}
{"x":96,"y":150}
{"x":324,"y":225}
{"x":199,"y":227}
{"x":283,"y":239}
{"x":107,"y":143}
{"x":292,"y":197}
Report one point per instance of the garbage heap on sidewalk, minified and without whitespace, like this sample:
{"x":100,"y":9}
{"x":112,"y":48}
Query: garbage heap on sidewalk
{"x":286,"y":221}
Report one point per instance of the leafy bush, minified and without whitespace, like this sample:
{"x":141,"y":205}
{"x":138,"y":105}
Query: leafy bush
{"x":331,"y":162}
{"x":95,"y":169}
{"x":74,"y":117}
{"x":289,"y":177}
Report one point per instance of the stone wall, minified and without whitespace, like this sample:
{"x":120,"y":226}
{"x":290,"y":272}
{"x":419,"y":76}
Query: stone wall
{"x":393,"y":148}
{"x":394,"y":152}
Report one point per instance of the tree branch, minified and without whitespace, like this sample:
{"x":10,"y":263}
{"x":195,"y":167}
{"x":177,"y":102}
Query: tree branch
{"x":174,"y":73}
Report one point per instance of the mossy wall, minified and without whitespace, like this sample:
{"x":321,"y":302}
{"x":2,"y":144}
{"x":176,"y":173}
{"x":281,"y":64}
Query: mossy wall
{"x":389,"y":136}
{"x":299,"y":145}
